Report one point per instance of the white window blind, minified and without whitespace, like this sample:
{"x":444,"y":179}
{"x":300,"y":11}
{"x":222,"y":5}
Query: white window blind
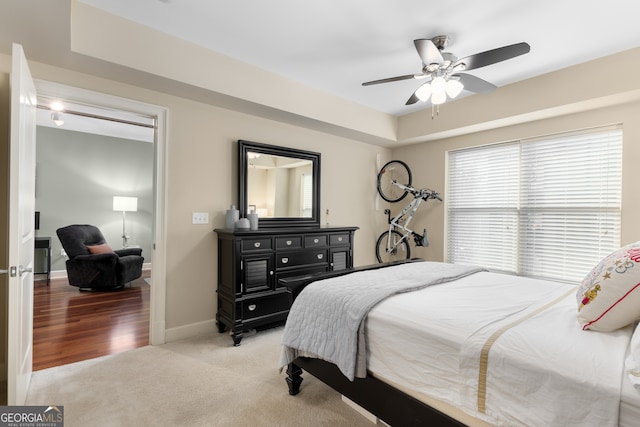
{"x":546,"y":207}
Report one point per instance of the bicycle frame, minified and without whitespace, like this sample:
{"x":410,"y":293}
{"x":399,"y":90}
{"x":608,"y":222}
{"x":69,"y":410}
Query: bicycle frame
{"x":410,"y":209}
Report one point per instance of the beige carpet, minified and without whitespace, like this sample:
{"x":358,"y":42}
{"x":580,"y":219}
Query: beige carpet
{"x":203,"y":381}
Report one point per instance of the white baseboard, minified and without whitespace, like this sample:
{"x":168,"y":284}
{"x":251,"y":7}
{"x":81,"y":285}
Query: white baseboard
{"x":62,"y":274}
{"x":59,"y":274}
{"x":192,"y":330}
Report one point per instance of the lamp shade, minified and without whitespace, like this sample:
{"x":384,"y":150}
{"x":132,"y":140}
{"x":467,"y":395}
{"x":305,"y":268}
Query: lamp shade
{"x":438,"y":98}
{"x":453,"y":88}
{"x":424,"y":92}
{"x":125,"y":204}
{"x":438,"y":88}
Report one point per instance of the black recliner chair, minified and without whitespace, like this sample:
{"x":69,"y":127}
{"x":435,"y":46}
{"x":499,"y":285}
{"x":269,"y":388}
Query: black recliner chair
{"x":92,"y":264}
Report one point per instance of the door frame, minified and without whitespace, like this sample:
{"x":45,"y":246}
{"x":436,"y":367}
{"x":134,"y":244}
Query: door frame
{"x":157,"y":303}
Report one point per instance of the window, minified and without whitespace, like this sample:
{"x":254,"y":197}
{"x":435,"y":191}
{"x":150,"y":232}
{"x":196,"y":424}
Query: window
{"x":545,"y":207}
{"x":307,"y":195}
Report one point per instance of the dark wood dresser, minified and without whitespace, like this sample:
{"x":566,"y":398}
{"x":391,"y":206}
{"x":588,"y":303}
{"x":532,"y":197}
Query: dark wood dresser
{"x":250,"y":263}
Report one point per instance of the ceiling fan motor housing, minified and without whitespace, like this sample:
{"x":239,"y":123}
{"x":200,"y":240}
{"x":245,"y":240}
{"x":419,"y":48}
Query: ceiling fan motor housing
{"x":441,"y":42}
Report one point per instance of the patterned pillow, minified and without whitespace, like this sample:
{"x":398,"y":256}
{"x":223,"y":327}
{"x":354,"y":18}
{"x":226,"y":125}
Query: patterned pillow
{"x":100,"y":249}
{"x":609,"y":296}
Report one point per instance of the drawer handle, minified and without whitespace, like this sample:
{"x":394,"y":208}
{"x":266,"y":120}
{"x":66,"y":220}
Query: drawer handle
{"x":339,"y":239}
{"x":285,"y":260}
{"x":289,"y":242}
{"x":256,"y":244}
{"x":252,"y":307}
{"x":320,"y":256}
{"x":316,"y":240}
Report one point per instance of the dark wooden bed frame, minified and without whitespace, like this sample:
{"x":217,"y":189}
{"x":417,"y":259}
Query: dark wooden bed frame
{"x":391,"y":405}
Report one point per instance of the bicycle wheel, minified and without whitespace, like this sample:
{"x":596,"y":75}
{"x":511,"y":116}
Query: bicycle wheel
{"x":399,"y":251}
{"x":393,"y":171}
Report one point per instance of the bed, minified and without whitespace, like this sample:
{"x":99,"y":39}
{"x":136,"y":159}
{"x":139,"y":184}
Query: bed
{"x":462,"y":346}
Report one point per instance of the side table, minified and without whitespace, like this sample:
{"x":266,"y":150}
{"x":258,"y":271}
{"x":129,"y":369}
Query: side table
{"x":44,"y":243}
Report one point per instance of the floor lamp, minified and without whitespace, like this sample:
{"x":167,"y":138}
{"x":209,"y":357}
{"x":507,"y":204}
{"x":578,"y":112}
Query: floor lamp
{"x":125,"y":204}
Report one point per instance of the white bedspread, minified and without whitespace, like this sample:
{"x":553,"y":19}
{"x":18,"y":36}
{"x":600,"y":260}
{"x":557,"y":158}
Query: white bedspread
{"x":546,"y":361}
{"x":544,"y":371}
{"x":325,"y":320}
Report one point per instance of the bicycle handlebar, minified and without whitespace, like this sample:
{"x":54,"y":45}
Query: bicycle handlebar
{"x":423,"y":193}
{"x":427,"y":194}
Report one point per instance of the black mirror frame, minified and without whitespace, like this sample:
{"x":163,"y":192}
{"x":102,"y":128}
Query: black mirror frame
{"x":255,"y":147}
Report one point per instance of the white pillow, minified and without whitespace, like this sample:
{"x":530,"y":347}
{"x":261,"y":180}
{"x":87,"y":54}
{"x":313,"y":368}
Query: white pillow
{"x":609,"y":296}
{"x":632,"y":364}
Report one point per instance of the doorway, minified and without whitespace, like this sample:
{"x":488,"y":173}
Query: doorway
{"x":109,"y":111}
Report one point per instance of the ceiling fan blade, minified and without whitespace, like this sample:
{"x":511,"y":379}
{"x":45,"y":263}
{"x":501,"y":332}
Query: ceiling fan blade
{"x":412,"y":100}
{"x":475,"y":84}
{"x":392,"y":79}
{"x":429,"y":53}
{"x":489,"y":57}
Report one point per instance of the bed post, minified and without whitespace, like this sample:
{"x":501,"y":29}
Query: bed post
{"x":294,"y":378}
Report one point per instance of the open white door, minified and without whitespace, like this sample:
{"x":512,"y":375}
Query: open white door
{"x":22,"y":159}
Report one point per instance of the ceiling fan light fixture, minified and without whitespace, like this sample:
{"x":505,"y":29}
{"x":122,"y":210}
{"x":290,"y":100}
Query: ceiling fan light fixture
{"x":454,"y":87}
{"x":56,"y":116}
{"x":438,"y":98}
{"x":424,"y":92}
{"x":438,"y":90}
{"x":438,"y":84}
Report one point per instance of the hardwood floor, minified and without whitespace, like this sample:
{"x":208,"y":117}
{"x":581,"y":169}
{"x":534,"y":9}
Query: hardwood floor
{"x":70,"y":326}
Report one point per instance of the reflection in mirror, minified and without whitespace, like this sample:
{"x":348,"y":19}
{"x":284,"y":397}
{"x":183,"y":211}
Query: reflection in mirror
{"x":279,"y":186}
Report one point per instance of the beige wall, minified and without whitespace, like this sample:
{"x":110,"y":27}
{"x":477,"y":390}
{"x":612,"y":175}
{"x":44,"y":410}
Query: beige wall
{"x":202,"y":174}
{"x":428,"y":163}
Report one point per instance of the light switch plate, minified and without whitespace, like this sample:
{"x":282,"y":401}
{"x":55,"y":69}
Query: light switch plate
{"x":200,"y":218}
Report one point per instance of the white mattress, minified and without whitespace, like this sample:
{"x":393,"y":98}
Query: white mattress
{"x":629,"y":404}
{"x":409,"y":348}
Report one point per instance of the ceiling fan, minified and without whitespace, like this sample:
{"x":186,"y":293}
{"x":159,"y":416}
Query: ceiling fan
{"x":444,"y":71}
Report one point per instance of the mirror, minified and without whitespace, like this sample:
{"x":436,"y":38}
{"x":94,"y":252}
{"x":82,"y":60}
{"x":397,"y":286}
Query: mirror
{"x":281,"y":184}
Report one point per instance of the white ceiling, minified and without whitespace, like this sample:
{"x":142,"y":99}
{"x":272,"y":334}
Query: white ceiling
{"x":336,"y":45}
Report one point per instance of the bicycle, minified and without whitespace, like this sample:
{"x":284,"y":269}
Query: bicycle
{"x":394,"y":183}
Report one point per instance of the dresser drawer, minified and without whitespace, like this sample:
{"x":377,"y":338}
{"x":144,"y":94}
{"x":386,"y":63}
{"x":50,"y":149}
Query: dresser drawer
{"x":339,"y":239}
{"x":253,"y":308}
{"x":256,"y":244}
{"x":293,"y":259}
{"x":289,"y":242}
{"x":306,"y":272}
{"x":315,"y":241}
